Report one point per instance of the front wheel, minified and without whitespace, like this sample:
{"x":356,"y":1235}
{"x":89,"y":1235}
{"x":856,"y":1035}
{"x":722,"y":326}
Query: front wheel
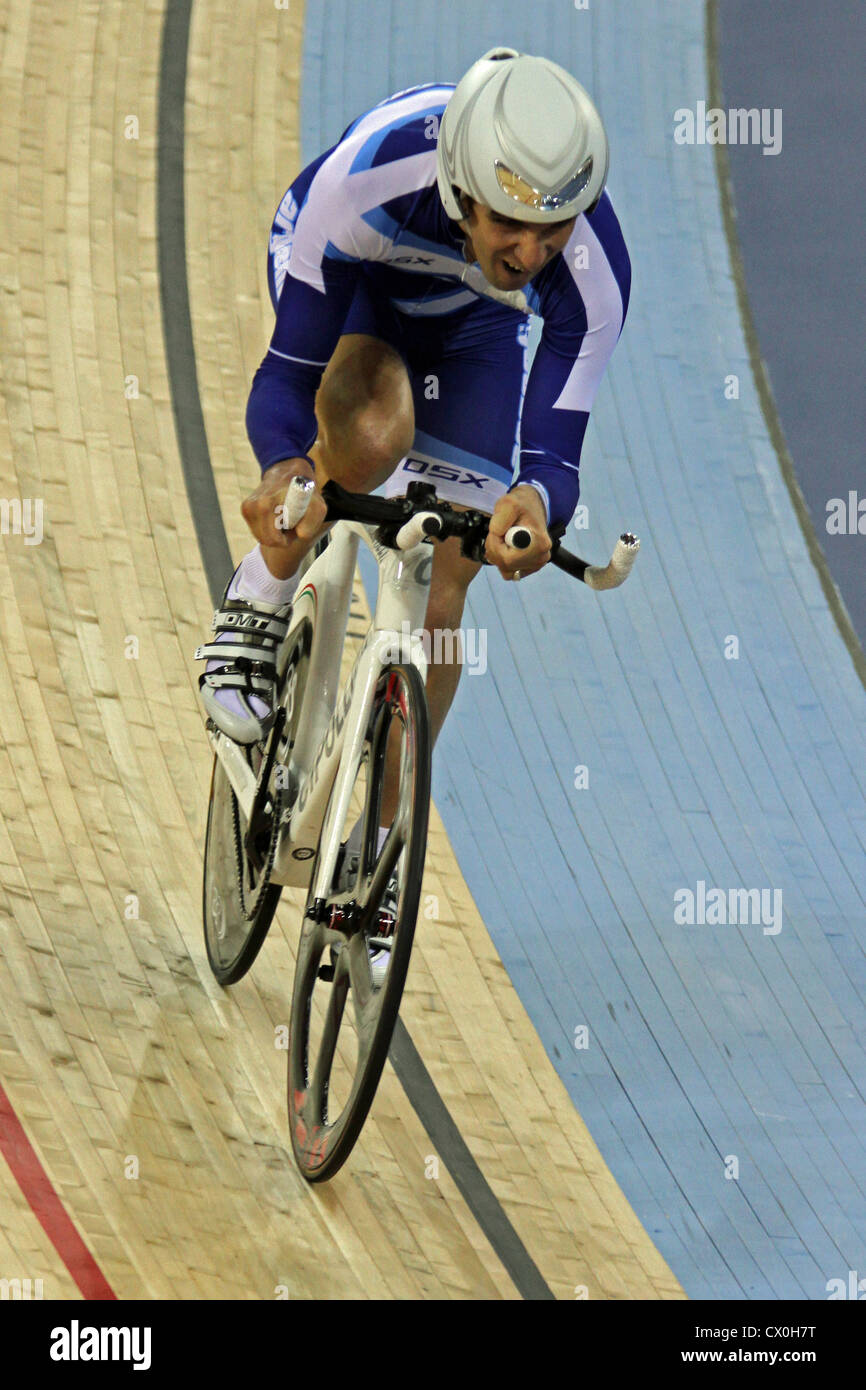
{"x":355,"y":945}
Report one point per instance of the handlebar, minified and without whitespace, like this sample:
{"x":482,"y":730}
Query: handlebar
{"x":430,"y":526}
{"x":406,"y":521}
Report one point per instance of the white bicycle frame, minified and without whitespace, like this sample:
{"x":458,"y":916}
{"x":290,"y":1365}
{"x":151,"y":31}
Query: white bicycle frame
{"x":329,"y":740}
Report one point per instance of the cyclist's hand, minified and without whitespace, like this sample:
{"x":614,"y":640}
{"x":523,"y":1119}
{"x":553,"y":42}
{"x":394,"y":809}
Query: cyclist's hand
{"x":520,"y":507}
{"x":264,"y":513}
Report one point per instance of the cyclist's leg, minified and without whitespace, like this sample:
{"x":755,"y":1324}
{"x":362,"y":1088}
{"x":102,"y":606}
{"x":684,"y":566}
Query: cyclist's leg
{"x":452,"y":575}
{"x":465,"y":438}
{"x":465,"y":443}
{"x":364,"y":411}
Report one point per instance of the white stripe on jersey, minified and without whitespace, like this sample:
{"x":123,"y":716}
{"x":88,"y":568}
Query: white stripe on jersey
{"x":336,"y":200}
{"x":287,"y":357}
{"x":444,"y":304}
{"x":602,"y":300}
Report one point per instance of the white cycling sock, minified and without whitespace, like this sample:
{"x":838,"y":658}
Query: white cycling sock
{"x":253,"y":580}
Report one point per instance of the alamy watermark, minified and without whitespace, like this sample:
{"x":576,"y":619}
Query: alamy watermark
{"x":22,"y":517}
{"x":853,"y":1288}
{"x":739,"y":126}
{"x":77,"y":1343}
{"x":716,"y":907}
{"x":846,"y":517}
{"x":21,"y":1290}
{"x":448,"y":646}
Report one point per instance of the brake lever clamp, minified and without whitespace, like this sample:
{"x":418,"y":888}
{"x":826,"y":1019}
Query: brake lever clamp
{"x":386,"y":532}
{"x":473,"y":536}
{"x":422,"y":495}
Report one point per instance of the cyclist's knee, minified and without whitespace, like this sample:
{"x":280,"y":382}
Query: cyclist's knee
{"x":365,"y":412}
{"x":374,"y":441}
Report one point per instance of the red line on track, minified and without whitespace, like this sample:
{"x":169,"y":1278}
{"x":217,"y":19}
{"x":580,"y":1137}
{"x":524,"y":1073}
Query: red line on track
{"x":47,"y":1206}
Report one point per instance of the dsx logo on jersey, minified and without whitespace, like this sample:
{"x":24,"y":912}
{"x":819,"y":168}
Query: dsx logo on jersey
{"x":441,"y":470}
{"x":77,"y":1343}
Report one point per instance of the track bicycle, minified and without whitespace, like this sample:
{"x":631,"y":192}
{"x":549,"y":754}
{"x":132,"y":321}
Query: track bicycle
{"x":336,"y":800}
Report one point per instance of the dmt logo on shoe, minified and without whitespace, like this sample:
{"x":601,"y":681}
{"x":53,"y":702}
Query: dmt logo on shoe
{"x":244,"y":620}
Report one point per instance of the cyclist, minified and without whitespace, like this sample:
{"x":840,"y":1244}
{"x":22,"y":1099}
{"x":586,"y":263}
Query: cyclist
{"x":403,"y":264}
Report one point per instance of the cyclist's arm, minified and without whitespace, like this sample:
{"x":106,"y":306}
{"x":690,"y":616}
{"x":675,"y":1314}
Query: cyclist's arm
{"x":584,"y":300}
{"x":362,"y":190}
{"x":331,"y":241}
{"x":281,"y":420}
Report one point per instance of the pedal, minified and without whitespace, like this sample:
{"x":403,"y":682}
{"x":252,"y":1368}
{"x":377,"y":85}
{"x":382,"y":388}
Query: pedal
{"x":327,"y":972}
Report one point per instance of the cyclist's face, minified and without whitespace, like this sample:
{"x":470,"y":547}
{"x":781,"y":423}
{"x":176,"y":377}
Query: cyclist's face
{"x":509,"y":252}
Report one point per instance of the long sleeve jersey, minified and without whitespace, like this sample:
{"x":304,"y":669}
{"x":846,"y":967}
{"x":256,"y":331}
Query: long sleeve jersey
{"x":370,"y":206}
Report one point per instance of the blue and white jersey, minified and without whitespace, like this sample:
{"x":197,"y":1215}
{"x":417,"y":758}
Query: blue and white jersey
{"x":368,"y":213}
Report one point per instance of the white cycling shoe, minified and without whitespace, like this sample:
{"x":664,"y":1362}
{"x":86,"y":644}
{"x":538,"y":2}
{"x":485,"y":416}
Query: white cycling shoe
{"x":238,"y":687}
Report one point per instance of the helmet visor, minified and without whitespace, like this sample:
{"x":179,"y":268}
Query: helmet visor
{"x":513,"y":186}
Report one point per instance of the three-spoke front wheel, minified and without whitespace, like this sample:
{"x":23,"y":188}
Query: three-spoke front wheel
{"x":355,"y":945}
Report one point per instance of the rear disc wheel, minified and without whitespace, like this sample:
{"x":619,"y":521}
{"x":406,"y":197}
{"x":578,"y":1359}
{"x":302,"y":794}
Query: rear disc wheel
{"x":238,"y":904}
{"x":232,"y":938}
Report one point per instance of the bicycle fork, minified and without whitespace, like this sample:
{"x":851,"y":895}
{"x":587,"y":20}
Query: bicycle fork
{"x":379,"y":653}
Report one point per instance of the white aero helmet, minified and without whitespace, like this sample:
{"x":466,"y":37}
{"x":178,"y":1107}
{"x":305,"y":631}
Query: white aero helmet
{"x":521,"y":136}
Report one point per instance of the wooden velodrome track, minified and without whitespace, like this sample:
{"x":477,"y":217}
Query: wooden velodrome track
{"x":140,"y":1099}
